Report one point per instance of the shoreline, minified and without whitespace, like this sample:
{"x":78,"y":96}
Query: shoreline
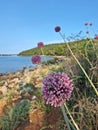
{"x":33,"y":76}
{"x":8,"y":54}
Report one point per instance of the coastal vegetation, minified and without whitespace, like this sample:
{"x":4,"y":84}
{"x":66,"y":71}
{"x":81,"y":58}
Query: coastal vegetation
{"x":31,"y":99}
{"x":59,"y":48}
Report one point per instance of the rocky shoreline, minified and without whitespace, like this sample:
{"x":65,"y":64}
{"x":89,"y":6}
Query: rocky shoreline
{"x":33,"y":76}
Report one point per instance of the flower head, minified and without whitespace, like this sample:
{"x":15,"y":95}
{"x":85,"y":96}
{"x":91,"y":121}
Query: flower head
{"x":87,"y":32}
{"x":96,"y":37}
{"x":57,"y":89}
{"x":36,"y":59}
{"x":40,"y":44}
{"x":91,"y":24}
{"x":57,"y":29}
{"x":86,"y":24}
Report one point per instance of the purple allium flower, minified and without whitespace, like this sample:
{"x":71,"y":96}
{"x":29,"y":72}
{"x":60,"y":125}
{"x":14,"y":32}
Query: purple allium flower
{"x":57,"y":29}
{"x":96,"y":37}
{"x":86,"y":24}
{"x":57,"y":89}
{"x":36,"y":59}
{"x":40,"y":44}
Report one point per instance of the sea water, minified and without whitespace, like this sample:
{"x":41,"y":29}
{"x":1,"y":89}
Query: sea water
{"x":15,"y":63}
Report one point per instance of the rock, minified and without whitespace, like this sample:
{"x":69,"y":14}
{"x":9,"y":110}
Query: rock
{"x":14,"y":83}
{"x":2,"y":106}
{"x":3,"y":89}
{"x":1,"y":92}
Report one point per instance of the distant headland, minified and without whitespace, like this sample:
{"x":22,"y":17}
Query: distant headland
{"x":8,"y":54}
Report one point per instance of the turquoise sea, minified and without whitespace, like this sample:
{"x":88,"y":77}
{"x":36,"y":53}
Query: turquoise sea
{"x":14,"y":63}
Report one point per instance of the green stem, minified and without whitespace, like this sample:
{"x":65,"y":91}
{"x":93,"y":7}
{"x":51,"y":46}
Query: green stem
{"x":43,"y":55}
{"x":45,"y":58}
{"x":71,"y":118}
{"x":65,"y":117}
{"x":73,"y":128}
{"x":80,"y":66}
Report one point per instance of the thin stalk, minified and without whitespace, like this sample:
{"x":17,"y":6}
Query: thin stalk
{"x":73,"y":128}
{"x":65,"y":117}
{"x":80,"y":66}
{"x":87,"y":58}
{"x":71,"y":118}
{"x":45,"y":58}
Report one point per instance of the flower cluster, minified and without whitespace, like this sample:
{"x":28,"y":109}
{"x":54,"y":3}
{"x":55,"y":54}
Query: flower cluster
{"x":86,"y":24}
{"x":40,"y":44}
{"x":96,"y":37}
{"x":57,"y":29}
{"x":57,"y":89}
{"x":36,"y":59}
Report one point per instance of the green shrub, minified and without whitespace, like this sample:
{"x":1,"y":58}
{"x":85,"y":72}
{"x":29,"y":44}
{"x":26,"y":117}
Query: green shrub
{"x":14,"y":116}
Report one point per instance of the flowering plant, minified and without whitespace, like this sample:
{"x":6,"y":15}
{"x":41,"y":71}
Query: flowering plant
{"x":57,"y":89}
{"x":40,"y":44}
{"x":58,"y":29}
{"x":96,"y":37}
{"x":58,"y":86}
{"x":36,"y":59}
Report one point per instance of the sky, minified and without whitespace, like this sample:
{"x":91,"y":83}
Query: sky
{"x":24,"y":23}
